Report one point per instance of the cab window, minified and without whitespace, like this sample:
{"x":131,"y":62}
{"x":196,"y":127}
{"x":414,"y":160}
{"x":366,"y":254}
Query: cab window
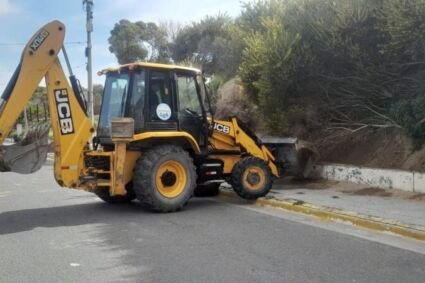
{"x":136,"y":109}
{"x":160,"y":99}
{"x":188,"y":95}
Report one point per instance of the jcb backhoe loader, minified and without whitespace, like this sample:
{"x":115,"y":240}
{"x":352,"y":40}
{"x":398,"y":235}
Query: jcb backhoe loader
{"x":156,"y":140}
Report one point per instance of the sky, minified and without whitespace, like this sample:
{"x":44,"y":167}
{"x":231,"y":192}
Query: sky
{"x":20,"y":19}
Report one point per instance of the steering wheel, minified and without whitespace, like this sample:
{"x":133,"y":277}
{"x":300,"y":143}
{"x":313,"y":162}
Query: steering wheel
{"x":191,"y":112}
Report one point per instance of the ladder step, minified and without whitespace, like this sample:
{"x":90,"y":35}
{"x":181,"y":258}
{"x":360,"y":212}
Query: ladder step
{"x":98,"y":171}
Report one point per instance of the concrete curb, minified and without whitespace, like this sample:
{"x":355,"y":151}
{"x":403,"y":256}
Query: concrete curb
{"x":337,"y":215}
{"x":381,"y":178}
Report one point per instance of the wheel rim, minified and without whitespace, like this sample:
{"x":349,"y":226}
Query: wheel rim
{"x":171,"y":179}
{"x":254,"y":178}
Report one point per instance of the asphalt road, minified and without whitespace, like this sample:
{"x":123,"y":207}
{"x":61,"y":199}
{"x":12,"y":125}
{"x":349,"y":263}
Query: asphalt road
{"x":50,"y":234}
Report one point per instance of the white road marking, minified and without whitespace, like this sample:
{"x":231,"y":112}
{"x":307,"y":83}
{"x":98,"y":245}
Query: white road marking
{"x":74,"y":264}
{"x":4,"y":194}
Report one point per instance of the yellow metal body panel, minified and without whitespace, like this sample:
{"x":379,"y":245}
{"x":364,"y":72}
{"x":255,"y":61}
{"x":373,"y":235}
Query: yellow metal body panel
{"x":224,"y":140}
{"x":130,"y":162}
{"x":169,"y":135}
{"x":228,"y":136}
{"x":123,"y":161}
{"x":69,"y":147}
{"x":118,"y":184}
{"x":228,"y":160}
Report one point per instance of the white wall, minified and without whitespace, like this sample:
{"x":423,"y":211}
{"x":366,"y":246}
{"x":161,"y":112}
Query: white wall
{"x":380,"y":178}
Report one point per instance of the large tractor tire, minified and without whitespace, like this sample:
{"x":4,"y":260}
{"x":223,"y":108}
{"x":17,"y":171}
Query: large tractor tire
{"x":164,"y":178}
{"x":208,"y":190}
{"x":251,"y":178}
{"x":103,"y":194}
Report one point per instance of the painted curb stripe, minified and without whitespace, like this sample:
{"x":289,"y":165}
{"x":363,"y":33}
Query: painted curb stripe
{"x":337,"y":215}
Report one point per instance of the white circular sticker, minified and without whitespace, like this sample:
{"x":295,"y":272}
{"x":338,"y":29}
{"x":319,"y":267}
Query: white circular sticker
{"x":163,"y":111}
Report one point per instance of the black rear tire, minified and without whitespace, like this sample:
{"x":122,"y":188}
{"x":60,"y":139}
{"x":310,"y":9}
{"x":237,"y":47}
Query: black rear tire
{"x":209,"y":190}
{"x":164,"y":178}
{"x":251,"y":178}
{"x":103,"y":194}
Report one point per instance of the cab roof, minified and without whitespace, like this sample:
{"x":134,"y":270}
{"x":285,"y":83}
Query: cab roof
{"x":149,"y":65}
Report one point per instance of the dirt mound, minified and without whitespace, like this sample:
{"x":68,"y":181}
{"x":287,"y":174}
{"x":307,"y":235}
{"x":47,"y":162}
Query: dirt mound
{"x":371,"y":192}
{"x":233,"y":102}
{"x":418,"y":197}
{"x":382,"y":148}
{"x":389,"y":149}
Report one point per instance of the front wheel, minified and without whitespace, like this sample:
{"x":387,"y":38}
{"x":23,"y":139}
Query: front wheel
{"x":251,"y":178}
{"x":164,"y":178}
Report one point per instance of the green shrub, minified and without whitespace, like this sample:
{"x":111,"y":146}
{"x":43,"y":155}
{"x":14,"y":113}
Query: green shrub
{"x":410,"y":115}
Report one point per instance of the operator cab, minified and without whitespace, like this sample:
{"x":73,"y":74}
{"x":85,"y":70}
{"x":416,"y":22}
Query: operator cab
{"x":158,"y":97}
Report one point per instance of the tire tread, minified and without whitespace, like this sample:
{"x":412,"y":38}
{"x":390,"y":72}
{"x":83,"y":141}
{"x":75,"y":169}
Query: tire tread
{"x":237,"y":175}
{"x":143,"y":173}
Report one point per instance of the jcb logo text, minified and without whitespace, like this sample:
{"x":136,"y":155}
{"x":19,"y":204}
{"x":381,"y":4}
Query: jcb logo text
{"x":221,"y":128}
{"x":64,"y":111}
{"x":39,"y":39}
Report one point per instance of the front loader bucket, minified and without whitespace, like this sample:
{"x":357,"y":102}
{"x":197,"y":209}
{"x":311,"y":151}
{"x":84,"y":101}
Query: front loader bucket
{"x":307,"y":158}
{"x":28,"y":155}
{"x":294,"y":157}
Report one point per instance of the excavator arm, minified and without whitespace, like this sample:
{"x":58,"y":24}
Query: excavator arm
{"x":72,"y":129}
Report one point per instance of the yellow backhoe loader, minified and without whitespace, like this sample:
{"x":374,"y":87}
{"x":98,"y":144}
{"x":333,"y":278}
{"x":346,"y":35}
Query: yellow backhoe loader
{"x":156,"y":139}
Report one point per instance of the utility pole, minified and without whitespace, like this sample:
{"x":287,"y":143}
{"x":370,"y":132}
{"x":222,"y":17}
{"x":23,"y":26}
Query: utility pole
{"x":89,"y":26}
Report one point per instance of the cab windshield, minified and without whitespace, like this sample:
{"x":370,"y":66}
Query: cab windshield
{"x":114,"y":101}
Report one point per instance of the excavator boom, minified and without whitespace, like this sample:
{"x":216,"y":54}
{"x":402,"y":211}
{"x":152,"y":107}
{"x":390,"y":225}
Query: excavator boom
{"x":71,"y":127}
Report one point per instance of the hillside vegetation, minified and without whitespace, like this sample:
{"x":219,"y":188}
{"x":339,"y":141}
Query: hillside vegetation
{"x":316,"y":69}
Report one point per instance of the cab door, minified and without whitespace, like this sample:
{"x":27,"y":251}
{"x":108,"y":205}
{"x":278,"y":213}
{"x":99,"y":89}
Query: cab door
{"x":161,"y":106}
{"x":190,"y":113}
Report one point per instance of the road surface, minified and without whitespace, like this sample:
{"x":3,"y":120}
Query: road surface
{"x":50,"y":234}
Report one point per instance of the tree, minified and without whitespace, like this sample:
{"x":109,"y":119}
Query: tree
{"x":268,"y":70}
{"x":358,"y":63}
{"x":208,"y":42}
{"x":329,"y":65}
{"x":138,"y":41}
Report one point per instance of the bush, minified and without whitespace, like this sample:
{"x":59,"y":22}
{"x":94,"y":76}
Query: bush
{"x":357,"y":62}
{"x":409,"y":114}
{"x":233,"y":102}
